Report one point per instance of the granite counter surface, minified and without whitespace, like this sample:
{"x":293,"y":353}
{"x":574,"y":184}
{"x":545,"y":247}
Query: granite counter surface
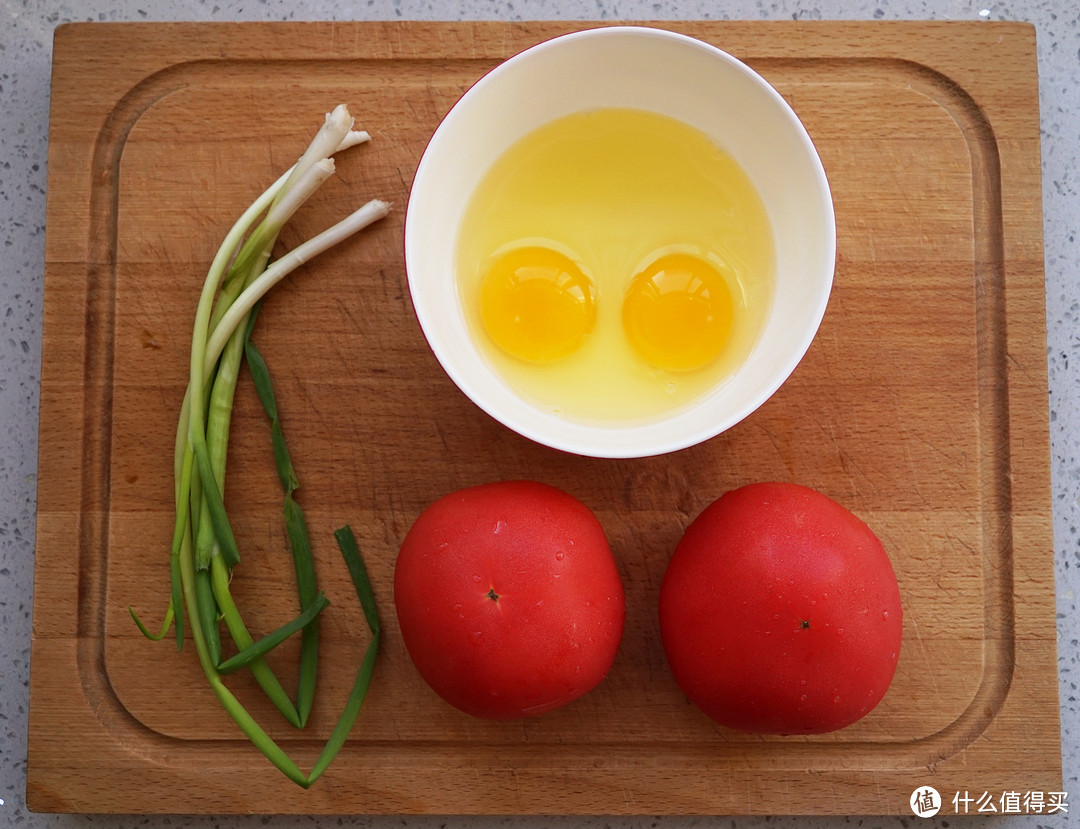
{"x":26,"y":28}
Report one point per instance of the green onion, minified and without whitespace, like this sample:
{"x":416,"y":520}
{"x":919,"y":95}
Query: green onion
{"x":207,"y":607}
{"x":204,"y":550}
{"x":252,"y":730}
{"x":303,"y":564}
{"x":351,"y":553}
{"x":157,"y":637}
{"x":358,"y":572}
{"x":272,"y":640}
{"x":243,"y":640}
{"x":352,"y":710}
{"x":295,"y":525}
{"x":260,"y":376}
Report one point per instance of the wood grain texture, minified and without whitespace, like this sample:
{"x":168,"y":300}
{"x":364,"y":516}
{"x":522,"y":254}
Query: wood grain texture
{"x":921,"y":405}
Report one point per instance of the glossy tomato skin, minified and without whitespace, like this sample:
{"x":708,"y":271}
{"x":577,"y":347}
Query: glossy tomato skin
{"x":509,"y":599}
{"x":780,"y":612}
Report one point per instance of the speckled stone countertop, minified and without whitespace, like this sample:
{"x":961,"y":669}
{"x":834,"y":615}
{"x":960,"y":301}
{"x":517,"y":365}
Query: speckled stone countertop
{"x":26,"y":28}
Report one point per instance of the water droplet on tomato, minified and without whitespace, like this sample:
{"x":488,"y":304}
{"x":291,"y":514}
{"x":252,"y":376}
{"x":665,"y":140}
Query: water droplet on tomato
{"x":803,"y":697}
{"x":836,"y":698}
{"x":500,"y":525}
{"x":884,"y":614}
{"x":476,"y":577}
{"x":560,"y":555}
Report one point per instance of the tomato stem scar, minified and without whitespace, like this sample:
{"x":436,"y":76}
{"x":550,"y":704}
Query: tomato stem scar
{"x":491,"y":594}
{"x":805,"y":624}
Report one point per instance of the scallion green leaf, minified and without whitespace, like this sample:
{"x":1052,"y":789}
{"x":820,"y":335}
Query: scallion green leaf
{"x":350,"y":551}
{"x":267,"y":643}
{"x":352,"y":710}
{"x":157,"y":637}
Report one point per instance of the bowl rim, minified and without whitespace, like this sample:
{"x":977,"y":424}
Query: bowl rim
{"x":650,"y":437}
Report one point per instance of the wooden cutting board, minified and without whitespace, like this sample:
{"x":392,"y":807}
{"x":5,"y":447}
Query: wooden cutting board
{"x":922,"y":406}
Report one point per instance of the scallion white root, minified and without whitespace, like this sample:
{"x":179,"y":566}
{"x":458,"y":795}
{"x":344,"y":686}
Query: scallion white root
{"x":370,"y":212}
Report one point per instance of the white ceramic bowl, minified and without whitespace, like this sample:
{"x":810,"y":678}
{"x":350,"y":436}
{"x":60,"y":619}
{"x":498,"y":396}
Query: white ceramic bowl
{"x":659,"y":71}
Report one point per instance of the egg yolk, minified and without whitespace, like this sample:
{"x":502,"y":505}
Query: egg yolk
{"x":678,"y":313}
{"x":537,"y":304}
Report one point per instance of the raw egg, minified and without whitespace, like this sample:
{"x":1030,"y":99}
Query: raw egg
{"x":537,"y":304}
{"x":677,"y":313}
{"x":614,"y":265}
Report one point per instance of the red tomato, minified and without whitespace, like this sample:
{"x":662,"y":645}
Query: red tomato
{"x":780,"y":612}
{"x":508,"y":598}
